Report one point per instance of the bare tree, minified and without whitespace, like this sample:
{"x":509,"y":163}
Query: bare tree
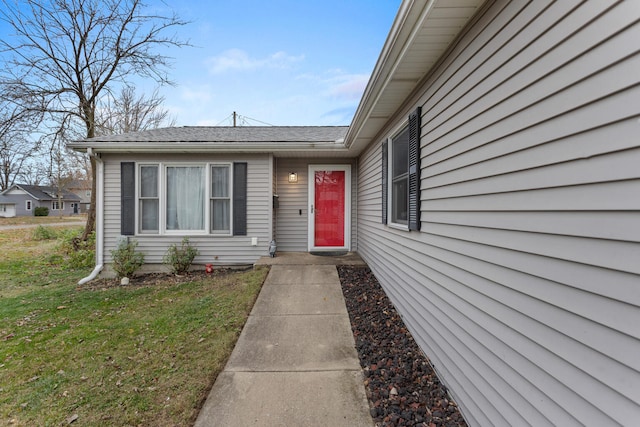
{"x":16,"y":149}
{"x":129,"y":112}
{"x":65,"y":55}
{"x":35,"y":172}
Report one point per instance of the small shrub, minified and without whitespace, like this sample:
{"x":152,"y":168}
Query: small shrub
{"x":126,"y":260}
{"x":180,"y":258}
{"x":41,"y":211}
{"x":44,"y":233}
{"x":78,"y":253}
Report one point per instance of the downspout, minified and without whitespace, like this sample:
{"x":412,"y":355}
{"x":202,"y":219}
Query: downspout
{"x":99,"y":218}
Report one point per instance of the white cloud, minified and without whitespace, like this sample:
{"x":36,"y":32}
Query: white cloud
{"x":347,"y":86}
{"x":239,"y":60}
{"x":196,"y":94}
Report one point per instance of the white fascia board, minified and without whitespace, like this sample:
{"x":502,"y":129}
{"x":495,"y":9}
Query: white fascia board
{"x":210,"y":148}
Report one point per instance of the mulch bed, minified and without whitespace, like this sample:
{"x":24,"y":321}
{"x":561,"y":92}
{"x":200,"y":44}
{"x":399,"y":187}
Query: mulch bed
{"x":153,"y":279}
{"x":402,"y":388}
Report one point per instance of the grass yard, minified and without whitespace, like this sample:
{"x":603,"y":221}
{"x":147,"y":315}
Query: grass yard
{"x":52,"y":218}
{"x":144,"y":354}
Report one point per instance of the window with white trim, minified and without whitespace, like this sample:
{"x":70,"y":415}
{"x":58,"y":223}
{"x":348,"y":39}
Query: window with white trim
{"x":28,"y":205}
{"x":173,"y":198}
{"x":399,"y":176}
{"x":220,"y":199}
{"x":148,"y":199}
{"x":57,"y":206}
{"x":184,"y":202}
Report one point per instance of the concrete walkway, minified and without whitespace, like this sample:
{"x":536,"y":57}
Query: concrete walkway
{"x":295,"y":363}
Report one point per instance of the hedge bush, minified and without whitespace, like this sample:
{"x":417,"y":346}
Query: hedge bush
{"x":41,"y":211}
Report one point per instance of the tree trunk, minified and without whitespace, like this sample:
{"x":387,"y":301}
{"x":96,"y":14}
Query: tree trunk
{"x":90,"y":226}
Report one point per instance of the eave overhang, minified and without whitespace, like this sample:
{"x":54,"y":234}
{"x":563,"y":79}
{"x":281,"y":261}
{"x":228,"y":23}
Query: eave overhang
{"x":280,"y":149}
{"x":421,"y":33}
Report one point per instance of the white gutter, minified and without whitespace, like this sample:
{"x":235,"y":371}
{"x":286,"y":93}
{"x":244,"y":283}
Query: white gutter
{"x":99,"y":218}
{"x":204,"y":147}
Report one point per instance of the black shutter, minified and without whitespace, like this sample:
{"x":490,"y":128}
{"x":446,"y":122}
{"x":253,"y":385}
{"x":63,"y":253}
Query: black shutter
{"x":414,"y":170}
{"x":127,"y":198}
{"x":239,"y":199}
{"x":385,"y":180}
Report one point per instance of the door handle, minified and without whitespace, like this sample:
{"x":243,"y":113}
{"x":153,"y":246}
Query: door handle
{"x":311,"y":208}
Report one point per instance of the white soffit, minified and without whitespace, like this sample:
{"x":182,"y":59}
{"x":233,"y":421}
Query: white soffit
{"x":420,"y":35}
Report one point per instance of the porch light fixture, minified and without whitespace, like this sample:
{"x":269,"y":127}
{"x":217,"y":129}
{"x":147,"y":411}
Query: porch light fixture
{"x":293,"y":177}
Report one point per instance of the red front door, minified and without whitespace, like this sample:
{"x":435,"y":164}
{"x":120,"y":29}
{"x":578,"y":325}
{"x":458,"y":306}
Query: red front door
{"x":329,"y":208}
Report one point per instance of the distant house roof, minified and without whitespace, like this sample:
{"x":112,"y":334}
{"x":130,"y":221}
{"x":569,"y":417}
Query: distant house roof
{"x":43,"y":192}
{"x":225,"y":139}
{"x":79,"y":184}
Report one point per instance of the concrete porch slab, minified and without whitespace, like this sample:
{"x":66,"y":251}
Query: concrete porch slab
{"x":302,"y":275}
{"x":305,"y":258}
{"x":296,"y":299}
{"x":243,"y":399}
{"x":295,"y":343}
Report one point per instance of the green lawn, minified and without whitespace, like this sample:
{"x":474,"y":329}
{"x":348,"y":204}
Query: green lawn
{"x":108,"y":354}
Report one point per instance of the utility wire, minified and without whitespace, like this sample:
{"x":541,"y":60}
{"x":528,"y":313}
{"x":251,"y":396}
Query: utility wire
{"x":256,"y":120}
{"x":225,"y":119}
{"x":243,"y":120}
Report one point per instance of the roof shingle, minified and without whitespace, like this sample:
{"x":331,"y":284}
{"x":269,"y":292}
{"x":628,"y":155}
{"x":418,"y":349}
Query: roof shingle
{"x":311,"y":134}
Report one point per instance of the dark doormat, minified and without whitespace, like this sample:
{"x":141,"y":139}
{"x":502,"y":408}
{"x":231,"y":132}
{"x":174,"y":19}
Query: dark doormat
{"x":333,"y":253}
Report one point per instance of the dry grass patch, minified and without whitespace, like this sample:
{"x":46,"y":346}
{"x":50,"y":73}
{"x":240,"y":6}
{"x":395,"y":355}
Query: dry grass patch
{"x":28,"y":220}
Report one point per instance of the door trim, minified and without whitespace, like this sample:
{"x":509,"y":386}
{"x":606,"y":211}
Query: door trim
{"x":347,"y":208}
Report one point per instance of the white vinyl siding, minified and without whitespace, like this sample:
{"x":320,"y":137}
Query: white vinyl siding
{"x":523,"y":285}
{"x":214,"y":249}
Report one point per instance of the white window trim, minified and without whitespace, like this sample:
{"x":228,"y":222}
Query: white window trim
{"x":59,"y":208}
{"x":395,"y":133}
{"x":138,"y":182}
{"x":210,"y":198}
{"x":163,"y":201}
{"x":162,"y":204}
{"x":28,"y":204}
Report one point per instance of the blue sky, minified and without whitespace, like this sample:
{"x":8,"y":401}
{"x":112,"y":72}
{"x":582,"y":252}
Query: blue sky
{"x":283,"y":62}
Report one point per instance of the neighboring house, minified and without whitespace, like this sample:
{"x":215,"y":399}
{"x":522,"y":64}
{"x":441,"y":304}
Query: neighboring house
{"x":82,"y":189}
{"x":7,"y":207}
{"x":28,"y":197}
{"x":489,"y":178}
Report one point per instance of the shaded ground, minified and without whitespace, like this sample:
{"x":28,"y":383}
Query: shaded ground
{"x":402,"y":388}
